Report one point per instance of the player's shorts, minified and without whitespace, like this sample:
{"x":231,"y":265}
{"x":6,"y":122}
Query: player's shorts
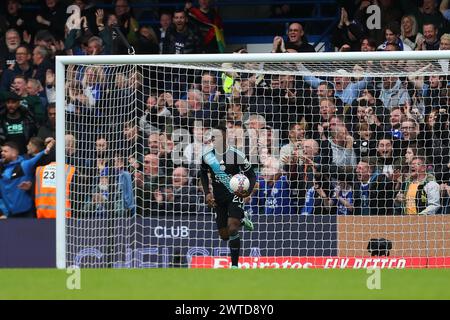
{"x":233,"y":207}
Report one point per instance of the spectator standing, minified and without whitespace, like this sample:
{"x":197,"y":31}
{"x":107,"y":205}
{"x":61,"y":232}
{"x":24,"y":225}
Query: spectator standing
{"x":392,"y":34}
{"x":364,"y":143}
{"x":396,"y":117}
{"x":102,"y":201}
{"x":257,"y":151}
{"x":345,"y":88}
{"x":147,"y":41}
{"x":92,"y":82}
{"x":430,"y":40}
{"x":153,"y":145}
{"x":165,"y":20}
{"x":105,"y":32}
{"x":318,"y":197}
{"x":209,"y":24}
{"x":420,"y":193}
{"x":17,"y":123}
{"x":95,"y":46}
{"x":132,"y":145}
{"x":180,"y":37}
{"x":36,"y":145}
{"x":444,"y":44}
{"x":52,"y":17}
{"x":32,"y":103}
{"x":35,"y":89}
{"x":127,"y":22}
{"x":389,"y":12}
{"x":411,"y":133}
{"x":16,"y":201}
{"x":278,"y":199}
{"x":87,"y":12}
{"x":296,"y":138}
{"x":8,"y":47}
{"x":337,"y":151}
{"x":46,"y":39}
{"x":373,"y":192}
{"x":157,"y":115}
{"x":386,"y":160}
{"x":410,"y":34}
{"x":99,"y":159}
{"x":443,"y":8}
{"x":393,"y":93}
{"x":45,"y":190}
{"x":147,"y":181}
{"x":166,"y":146}
{"x":71,"y":150}
{"x":296,"y":40}
{"x":178,"y":197}
{"x":348,"y":34}
{"x":192,"y":154}
{"x":427,"y":13}
{"x":123,"y":185}
{"x":17,"y":18}
{"x":189,"y":110}
{"x":214,"y":108}
{"x":437,"y":143}
{"x":35,"y":100}
{"x":411,"y":152}
{"x":42,"y":63}
{"x":342,"y":195}
{"x":208,"y":87}
{"x":22,"y":66}
{"x":301,"y":170}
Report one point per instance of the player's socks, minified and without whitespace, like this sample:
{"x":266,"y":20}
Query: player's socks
{"x":235,"y":246}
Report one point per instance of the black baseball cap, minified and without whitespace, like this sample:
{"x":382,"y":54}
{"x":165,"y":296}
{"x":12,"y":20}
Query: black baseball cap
{"x":12,"y":96}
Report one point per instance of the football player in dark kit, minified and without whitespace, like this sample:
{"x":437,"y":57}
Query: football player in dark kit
{"x":222,"y":162}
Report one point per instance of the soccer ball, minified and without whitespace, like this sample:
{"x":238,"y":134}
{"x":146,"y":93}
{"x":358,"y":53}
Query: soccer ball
{"x":239,"y":182}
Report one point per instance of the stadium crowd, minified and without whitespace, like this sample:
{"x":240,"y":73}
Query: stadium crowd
{"x":374,"y":145}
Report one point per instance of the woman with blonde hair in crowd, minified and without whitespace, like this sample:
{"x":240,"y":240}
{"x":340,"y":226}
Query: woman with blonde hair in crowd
{"x":445,"y":42}
{"x":409,"y":32}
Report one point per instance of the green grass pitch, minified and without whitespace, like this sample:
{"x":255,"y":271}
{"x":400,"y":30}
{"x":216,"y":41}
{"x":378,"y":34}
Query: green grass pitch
{"x":175,"y":284}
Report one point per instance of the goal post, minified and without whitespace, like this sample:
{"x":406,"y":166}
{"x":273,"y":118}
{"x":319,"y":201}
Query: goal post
{"x":60,"y":74}
{"x":160,"y":239}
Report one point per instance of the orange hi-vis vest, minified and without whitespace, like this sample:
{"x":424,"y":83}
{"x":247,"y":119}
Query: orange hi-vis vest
{"x":45,"y":190}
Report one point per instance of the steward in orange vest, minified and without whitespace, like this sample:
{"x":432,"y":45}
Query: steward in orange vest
{"x":45,"y":190}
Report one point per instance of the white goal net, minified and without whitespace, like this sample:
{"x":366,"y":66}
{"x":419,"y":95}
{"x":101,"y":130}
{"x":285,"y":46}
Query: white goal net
{"x":351,"y":158}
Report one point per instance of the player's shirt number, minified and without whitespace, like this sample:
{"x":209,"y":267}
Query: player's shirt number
{"x":238,"y":200}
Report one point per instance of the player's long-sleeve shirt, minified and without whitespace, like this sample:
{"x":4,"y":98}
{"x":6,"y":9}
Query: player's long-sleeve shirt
{"x":222,"y":168}
{"x":16,"y":200}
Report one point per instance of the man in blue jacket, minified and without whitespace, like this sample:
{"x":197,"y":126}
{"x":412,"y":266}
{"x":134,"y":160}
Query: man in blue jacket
{"x":15,"y":175}
{"x":278,"y":199}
